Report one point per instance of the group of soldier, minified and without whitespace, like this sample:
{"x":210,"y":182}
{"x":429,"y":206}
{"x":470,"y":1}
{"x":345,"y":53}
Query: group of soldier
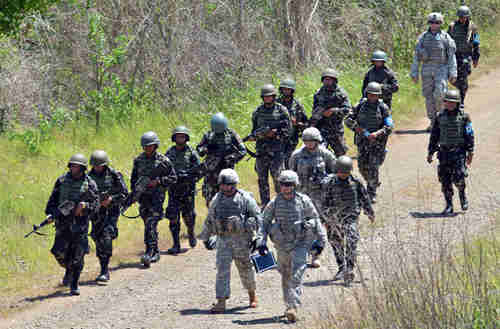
{"x":317,"y":197}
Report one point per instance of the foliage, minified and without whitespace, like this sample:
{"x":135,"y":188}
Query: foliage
{"x":13,"y":12}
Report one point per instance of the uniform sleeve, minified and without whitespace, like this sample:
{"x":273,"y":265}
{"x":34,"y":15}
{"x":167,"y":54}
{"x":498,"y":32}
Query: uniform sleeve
{"x":286,"y":130}
{"x":316,"y":110}
{"x":208,"y":229}
{"x":345,"y":105}
{"x":452,"y":59}
{"x":365,"y":83}
{"x":91,"y":198}
{"x":365,"y":200}
{"x":254,"y":121}
{"x":292,"y":162}
{"x":201,"y":148}
{"x":53,"y":203}
{"x":311,"y":217}
{"x":434,"y":138}
{"x":168,"y":175}
{"x":196,"y":169}
{"x":240,"y":150}
{"x":120,"y":191}
{"x":133,"y":177}
{"x":388,"y":122}
{"x":254,"y":211}
{"x":415,"y":66}
{"x":301,"y":114}
{"x":351,"y":120}
{"x":475,"y":45}
{"x":330,"y":161}
{"x":267,"y":221}
{"x":468,"y":135}
{"x":392,"y":82}
{"x":320,"y":232}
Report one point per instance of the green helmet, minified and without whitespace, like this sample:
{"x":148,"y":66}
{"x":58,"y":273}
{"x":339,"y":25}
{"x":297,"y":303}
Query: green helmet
{"x":78,"y":159}
{"x":379,"y":55}
{"x":149,"y":138}
{"x":99,"y":158}
{"x":311,"y":134}
{"x":435,"y":17}
{"x":228,"y":176}
{"x":452,"y":96}
{"x":289,"y":176}
{"x":288,"y":83}
{"x":218,"y":123}
{"x":463,"y":11}
{"x":374,"y":88}
{"x":180,"y":130}
{"x":344,"y":164}
{"x":331,"y":73}
{"x":267,"y":90}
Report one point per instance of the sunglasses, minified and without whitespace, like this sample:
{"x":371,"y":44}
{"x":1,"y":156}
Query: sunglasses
{"x":438,"y":23}
{"x":287,"y":184}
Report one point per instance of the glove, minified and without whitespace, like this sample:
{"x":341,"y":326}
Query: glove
{"x":317,"y":247}
{"x":210,"y":243}
{"x":263,"y":249}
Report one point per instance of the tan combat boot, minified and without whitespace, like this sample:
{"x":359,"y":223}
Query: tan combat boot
{"x":253,"y":298}
{"x":220,"y":306}
{"x":291,"y":314}
{"x":315,"y":261}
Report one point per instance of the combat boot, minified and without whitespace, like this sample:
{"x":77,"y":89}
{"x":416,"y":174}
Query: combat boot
{"x":315,"y":263}
{"x":449,"y":206}
{"x":372,"y":193}
{"x":463,"y":200}
{"x":291,"y":314}
{"x":155,"y":256}
{"x":75,"y":291}
{"x":348,"y":278}
{"x":220,"y":306}
{"x":104,"y":276}
{"x":67,"y":277}
{"x":174,"y":229}
{"x":253,"y":298}
{"x":146,"y":258}
{"x":339,"y":275}
{"x":192,"y":237}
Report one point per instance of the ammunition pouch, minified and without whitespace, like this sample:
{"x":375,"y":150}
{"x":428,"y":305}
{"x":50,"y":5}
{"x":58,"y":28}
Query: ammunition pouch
{"x":66,"y":208}
{"x":230,"y":225}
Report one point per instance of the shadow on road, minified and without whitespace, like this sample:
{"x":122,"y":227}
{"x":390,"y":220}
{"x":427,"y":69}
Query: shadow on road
{"x":181,"y":251}
{"x":57,"y":294}
{"x":197,"y":311}
{"x":417,"y":214}
{"x":411,"y":132}
{"x":125,"y":265}
{"x":274,"y":319}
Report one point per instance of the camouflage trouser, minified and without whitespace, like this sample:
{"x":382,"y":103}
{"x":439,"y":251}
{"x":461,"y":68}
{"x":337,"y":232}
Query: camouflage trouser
{"x":292,"y":266}
{"x":463,"y":71}
{"x":229,"y":248}
{"x":336,"y":141}
{"x":69,"y":249}
{"x":151,"y":211}
{"x":210,"y":186}
{"x":344,"y":237}
{"x":265,"y":164}
{"x":104,"y":231}
{"x":181,"y":204}
{"x":452,"y":170}
{"x":369,"y":162}
{"x":434,"y":86}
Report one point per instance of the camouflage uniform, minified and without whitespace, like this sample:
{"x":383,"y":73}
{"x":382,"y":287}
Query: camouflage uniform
{"x":158,"y":167}
{"x":342,"y":203}
{"x":332,"y":128}
{"x":371,"y":117}
{"x":71,"y":240}
{"x":234,"y":220}
{"x":387,"y":78}
{"x":292,"y":225}
{"x":298,"y":119}
{"x":436,"y":52}
{"x":181,"y":194}
{"x":222,"y":150}
{"x":104,"y":225}
{"x":270,"y":151}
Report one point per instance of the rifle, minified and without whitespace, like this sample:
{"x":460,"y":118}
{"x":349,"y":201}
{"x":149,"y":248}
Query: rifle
{"x":46,"y":221}
{"x":140,"y":187}
{"x":262,"y":131}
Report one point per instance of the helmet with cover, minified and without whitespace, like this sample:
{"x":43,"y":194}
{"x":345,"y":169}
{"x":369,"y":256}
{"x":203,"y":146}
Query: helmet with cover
{"x":99,"y":158}
{"x":228,"y":176}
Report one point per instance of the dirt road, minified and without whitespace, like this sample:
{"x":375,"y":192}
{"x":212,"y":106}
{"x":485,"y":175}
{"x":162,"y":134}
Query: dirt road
{"x":178,"y":291}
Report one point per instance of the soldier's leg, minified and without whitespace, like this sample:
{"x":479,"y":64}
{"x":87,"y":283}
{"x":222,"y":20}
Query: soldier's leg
{"x":172,"y":213}
{"x":336,"y":240}
{"x":104,"y":251}
{"x":428,"y":91}
{"x":338,"y":144}
{"x":262,"y":167}
{"x":189,"y":216}
{"x":78,"y":248}
{"x":210,"y":186}
{"x":245,"y":269}
{"x":224,"y":258}
{"x":445,"y":177}
{"x":462,"y":84}
{"x":440,"y":86}
{"x":370,"y":174}
{"x":277,"y":166}
{"x":299,"y":259}
{"x":352,"y":239}
{"x":458,"y":178}
{"x":284,"y":260}
{"x":316,"y":197}
{"x":59,"y":250}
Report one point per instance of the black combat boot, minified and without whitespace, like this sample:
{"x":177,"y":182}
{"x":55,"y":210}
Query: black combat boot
{"x":146,"y":258}
{"x":192,"y":238}
{"x":75,"y":291}
{"x":175,"y":230}
{"x":67,"y":277}
{"x":340,"y":274}
{"x":348,"y":277}
{"x":449,"y":206}
{"x":463,"y":200}
{"x":104,"y":276}
{"x":372,"y":193}
{"x":155,"y":254}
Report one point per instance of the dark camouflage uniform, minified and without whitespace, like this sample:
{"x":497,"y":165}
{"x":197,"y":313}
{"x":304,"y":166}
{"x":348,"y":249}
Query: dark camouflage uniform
{"x":151,"y":201}
{"x":342,"y":203}
{"x":181,"y":194}
{"x":104,"y":224}
{"x":222,"y":151}
{"x":371,"y":117}
{"x":71,"y":241}
{"x":387,"y":80}
{"x":452,"y":137}
{"x":467,"y":40}
{"x":297,"y":114}
{"x":270,"y":151}
{"x":332,"y":128}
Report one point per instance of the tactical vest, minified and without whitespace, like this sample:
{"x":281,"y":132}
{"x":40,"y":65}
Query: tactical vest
{"x":342,"y":195}
{"x":370,"y":116}
{"x":289,"y":219}
{"x":220,"y":145}
{"x":270,"y":117}
{"x":311,"y":167}
{"x":328,"y":99}
{"x":73,"y":190}
{"x":225,"y":207}
{"x":181,"y":159}
{"x":104,"y":182}
{"x":151,"y":167}
{"x":462,"y":34}
{"x":436,"y":47}
{"x":451,"y":129}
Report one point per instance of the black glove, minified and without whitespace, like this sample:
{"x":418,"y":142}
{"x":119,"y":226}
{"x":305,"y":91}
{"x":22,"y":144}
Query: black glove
{"x":317,"y":247}
{"x":263,"y":249}
{"x":210,"y":243}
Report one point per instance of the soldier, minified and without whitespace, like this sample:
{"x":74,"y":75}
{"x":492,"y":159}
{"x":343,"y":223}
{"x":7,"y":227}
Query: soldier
{"x":297,"y":115}
{"x":344,"y":196}
{"x":223,"y":148}
{"x":382,"y":74}
{"x":292,"y":223}
{"x":112,"y":192}
{"x":271,"y":127}
{"x":156,"y":171}
{"x":435,"y":49}
{"x":466,"y":37}
{"x":312,"y":162}
{"x":372,"y":123}
{"x":233,"y":218}
{"x":181,"y":195}
{"x":73,"y":200}
{"x":452,"y":137}
{"x":330,"y":106}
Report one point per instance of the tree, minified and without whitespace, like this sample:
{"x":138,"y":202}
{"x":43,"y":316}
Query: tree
{"x":12,"y":12}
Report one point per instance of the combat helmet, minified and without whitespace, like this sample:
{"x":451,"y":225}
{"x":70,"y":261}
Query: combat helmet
{"x":289,"y":176}
{"x":78,"y":159}
{"x":311,"y":134}
{"x":99,"y":158}
{"x":267,"y":90}
{"x":344,"y":164}
{"x":228,"y":176}
{"x":379,"y":55}
{"x":288,"y":83}
{"x":374,"y":88}
{"x":463,"y":11}
{"x":452,"y":96}
{"x":149,"y":138}
{"x":180,"y":130}
{"x":435,"y":17}
{"x":218,"y":123}
{"x":331,"y":73}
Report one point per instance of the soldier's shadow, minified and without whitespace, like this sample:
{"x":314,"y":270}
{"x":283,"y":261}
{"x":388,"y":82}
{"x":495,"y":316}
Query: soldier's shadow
{"x":125,"y":265}
{"x":197,"y":311}
{"x":411,"y":132}
{"x":424,"y":215}
{"x":181,"y":251}
{"x":273,"y":319}
{"x":57,"y":294}
{"x":323,"y":283}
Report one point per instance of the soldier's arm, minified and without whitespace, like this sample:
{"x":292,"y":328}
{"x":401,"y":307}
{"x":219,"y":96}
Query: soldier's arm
{"x":468,"y":135}
{"x":285,"y":117}
{"x":196,"y":169}
{"x":254,"y":211}
{"x":91,"y":199}
{"x":351,"y":120}
{"x":208,"y":229}
{"x":292,"y":162}
{"x":392,"y":82}
{"x":415,"y":66}
{"x":133,"y":177}
{"x":345,"y":106}
{"x":120,"y":191}
{"x":267,"y":221}
{"x":202,"y":148}
{"x":388,"y":122}
{"x":365,"y":200}
{"x":452,"y":59}
{"x":168,"y":175}
{"x":240,"y":149}
{"x":53,"y":203}
{"x":365,"y":83}
{"x":330,"y":161}
{"x":475,"y":46}
{"x":434,"y":138}
{"x":317,"y":111}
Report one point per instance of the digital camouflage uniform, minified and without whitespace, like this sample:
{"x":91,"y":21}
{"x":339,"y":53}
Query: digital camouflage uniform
{"x":387,"y":78}
{"x":151,"y":201}
{"x":222,"y":150}
{"x":104,"y":224}
{"x":371,"y":117}
{"x":234,"y":220}
{"x":436,"y":53}
{"x":332,"y":128}
{"x":71,"y":240}
{"x":298,"y":119}
{"x":181,"y":195}
{"x":342,"y":203}
{"x":270,"y":151}
{"x":293,"y":225}
{"x":466,"y":37}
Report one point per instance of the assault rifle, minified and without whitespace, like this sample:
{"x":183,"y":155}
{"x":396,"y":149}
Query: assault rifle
{"x":48,"y":220}
{"x":140,"y":187}
{"x":262,"y":131}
